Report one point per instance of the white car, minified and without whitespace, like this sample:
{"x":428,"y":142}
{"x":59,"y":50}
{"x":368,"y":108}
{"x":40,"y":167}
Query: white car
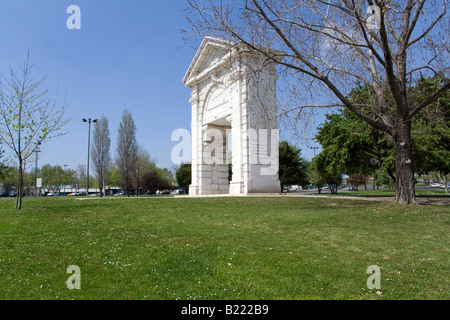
{"x":435,"y":185}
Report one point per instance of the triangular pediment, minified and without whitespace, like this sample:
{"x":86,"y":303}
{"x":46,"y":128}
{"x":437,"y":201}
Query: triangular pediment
{"x":214,"y":53}
{"x":211,"y":53}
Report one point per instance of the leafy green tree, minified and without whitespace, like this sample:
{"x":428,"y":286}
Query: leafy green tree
{"x":291,"y":166}
{"x":167,"y":176}
{"x":28,"y":116}
{"x":430,"y":131}
{"x":9,"y":179}
{"x":115,"y":176}
{"x":55,"y":176}
{"x":382,"y":177}
{"x":48,"y":174}
{"x":69,"y":177}
{"x":313,"y":175}
{"x":352,"y":146}
{"x":184,"y":176}
{"x":325,"y":173}
{"x":346,"y":144}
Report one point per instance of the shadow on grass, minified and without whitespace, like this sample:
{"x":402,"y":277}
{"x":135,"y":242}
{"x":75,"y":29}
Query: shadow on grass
{"x":423,"y":197}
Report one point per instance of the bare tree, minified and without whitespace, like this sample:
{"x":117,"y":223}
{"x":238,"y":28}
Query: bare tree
{"x":101,"y":151}
{"x":332,"y":46}
{"x":28,"y":117}
{"x":127,"y":149}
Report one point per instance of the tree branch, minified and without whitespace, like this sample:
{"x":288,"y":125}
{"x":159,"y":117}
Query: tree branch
{"x":444,"y":12}
{"x":432,"y":98}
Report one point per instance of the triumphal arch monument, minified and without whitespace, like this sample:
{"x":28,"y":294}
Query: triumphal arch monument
{"x":233,"y":101}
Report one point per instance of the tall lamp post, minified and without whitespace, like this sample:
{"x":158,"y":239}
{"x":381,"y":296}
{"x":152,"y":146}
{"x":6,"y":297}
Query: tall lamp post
{"x":35,"y":170}
{"x":314,"y":148}
{"x":89,"y":148}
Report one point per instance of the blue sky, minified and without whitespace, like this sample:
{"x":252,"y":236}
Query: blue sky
{"x":128,"y":55}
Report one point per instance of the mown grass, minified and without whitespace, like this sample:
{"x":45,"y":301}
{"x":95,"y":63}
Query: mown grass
{"x":420,"y":193}
{"x":223,"y":248}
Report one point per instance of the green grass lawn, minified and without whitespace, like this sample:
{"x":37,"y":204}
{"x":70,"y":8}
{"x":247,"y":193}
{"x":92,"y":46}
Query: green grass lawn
{"x":420,"y":193}
{"x":223,"y":248}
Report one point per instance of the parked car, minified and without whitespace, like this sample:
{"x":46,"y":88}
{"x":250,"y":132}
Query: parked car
{"x":4,"y":195}
{"x":435,"y":185}
{"x":443,"y":186}
{"x":178,"y":191}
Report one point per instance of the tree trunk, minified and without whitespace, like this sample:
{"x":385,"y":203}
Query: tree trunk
{"x":127,"y":191}
{"x":392,"y":176}
{"x":100,"y":187}
{"x":20,"y":186}
{"x":100,"y":181}
{"x":404,"y":191}
{"x":333,"y":189}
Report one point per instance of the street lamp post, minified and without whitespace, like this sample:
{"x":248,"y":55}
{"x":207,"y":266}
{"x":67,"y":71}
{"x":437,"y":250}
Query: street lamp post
{"x":89,"y":148}
{"x":314,"y":148}
{"x":35,"y":169}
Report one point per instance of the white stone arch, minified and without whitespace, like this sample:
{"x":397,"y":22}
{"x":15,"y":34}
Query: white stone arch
{"x":225,"y":98}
